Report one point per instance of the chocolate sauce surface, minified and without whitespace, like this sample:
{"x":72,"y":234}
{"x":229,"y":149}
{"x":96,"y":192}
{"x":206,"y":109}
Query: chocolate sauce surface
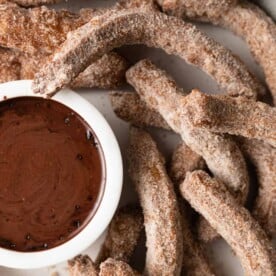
{"x":51,"y":174}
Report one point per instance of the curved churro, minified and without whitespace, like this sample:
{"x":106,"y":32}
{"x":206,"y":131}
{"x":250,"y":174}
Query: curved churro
{"x":132,"y":26}
{"x":244,"y":19}
{"x":158,"y":200}
{"x":237,"y":116}
{"x":17,"y":26}
{"x":263,"y":157}
{"x":82,"y":266}
{"x":221,"y":154}
{"x":113,"y":267}
{"x":231,"y":220}
{"x":129,"y":107}
{"x":123,"y":234}
{"x":107,"y":72}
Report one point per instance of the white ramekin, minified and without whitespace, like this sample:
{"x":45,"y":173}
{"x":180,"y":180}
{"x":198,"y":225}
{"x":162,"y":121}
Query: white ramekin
{"x":111,"y":193}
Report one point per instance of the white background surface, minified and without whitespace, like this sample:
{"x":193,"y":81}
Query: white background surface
{"x":188,"y":77}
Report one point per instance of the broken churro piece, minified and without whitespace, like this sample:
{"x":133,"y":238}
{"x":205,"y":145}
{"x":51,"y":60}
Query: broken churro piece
{"x":237,"y":116}
{"x":113,"y":267}
{"x":158,"y":200}
{"x":137,"y":26}
{"x":232,"y":221}
{"x":123,"y":234}
{"x":82,"y":266}
{"x":263,"y":157}
{"x":129,"y":107}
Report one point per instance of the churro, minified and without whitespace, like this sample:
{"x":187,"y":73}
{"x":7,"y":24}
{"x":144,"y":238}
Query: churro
{"x":155,"y":29}
{"x":82,"y":266}
{"x":237,"y":116}
{"x":203,"y":9}
{"x":263,"y":157}
{"x":194,"y":261}
{"x":222,"y":155}
{"x":158,"y":200}
{"x":129,"y":107}
{"x":9,"y":65}
{"x":33,"y":3}
{"x":113,"y":267}
{"x":17,"y":26}
{"x":244,"y":19}
{"x":232,"y":221}
{"x":123,"y":234}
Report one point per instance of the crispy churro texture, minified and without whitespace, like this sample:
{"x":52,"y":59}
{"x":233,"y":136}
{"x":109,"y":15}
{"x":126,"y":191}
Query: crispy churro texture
{"x":244,"y":19}
{"x":82,"y":266}
{"x":132,"y":26}
{"x":232,"y":221}
{"x":123,"y":234}
{"x":17,"y":26}
{"x":158,"y":200}
{"x":263,"y":157}
{"x":129,"y":107}
{"x":113,"y":267}
{"x":237,"y":116}
{"x":222,"y":155}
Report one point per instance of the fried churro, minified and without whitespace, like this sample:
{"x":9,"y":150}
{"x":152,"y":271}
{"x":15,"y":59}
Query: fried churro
{"x":17,"y":26}
{"x":203,"y":9}
{"x":123,"y":234}
{"x":158,"y":200}
{"x":244,"y":19}
{"x":33,"y":3}
{"x":231,"y":220}
{"x":221,"y":153}
{"x":129,"y":107}
{"x":237,"y":116}
{"x":113,"y":267}
{"x":194,"y":261}
{"x":263,"y":157}
{"x":82,"y":266}
{"x":136,"y":26}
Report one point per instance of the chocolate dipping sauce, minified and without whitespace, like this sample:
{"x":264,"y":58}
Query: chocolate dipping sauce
{"x":51,"y":174}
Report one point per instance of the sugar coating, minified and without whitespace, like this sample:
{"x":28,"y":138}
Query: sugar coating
{"x":232,"y":221}
{"x":123,"y":235}
{"x":155,"y":29}
{"x":158,"y":200}
{"x":82,"y":265}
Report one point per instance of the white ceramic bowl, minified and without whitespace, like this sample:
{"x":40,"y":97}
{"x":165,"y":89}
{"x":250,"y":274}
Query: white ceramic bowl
{"x":111,"y":194}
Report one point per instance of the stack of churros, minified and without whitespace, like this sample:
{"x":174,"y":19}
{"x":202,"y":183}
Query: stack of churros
{"x":208,"y":173}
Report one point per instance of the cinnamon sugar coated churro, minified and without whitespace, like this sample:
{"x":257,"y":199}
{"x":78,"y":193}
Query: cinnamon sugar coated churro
{"x":237,"y":116}
{"x":17,"y":26}
{"x":137,"y":26}
{"x":129,"y":107}
{"x":221,"y":154}
{"x":263,"y":157}
{"x":123,"y":234}
{"x":158,"y":200}
{"x":113,"y":267}
{"x":232,"y":221}
{"x":31,"y":3}
{"x":82,"y":266}
{"x":244,"y":19}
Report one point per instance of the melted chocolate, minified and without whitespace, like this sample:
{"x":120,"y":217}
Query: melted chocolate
{"x":51,"y":174}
